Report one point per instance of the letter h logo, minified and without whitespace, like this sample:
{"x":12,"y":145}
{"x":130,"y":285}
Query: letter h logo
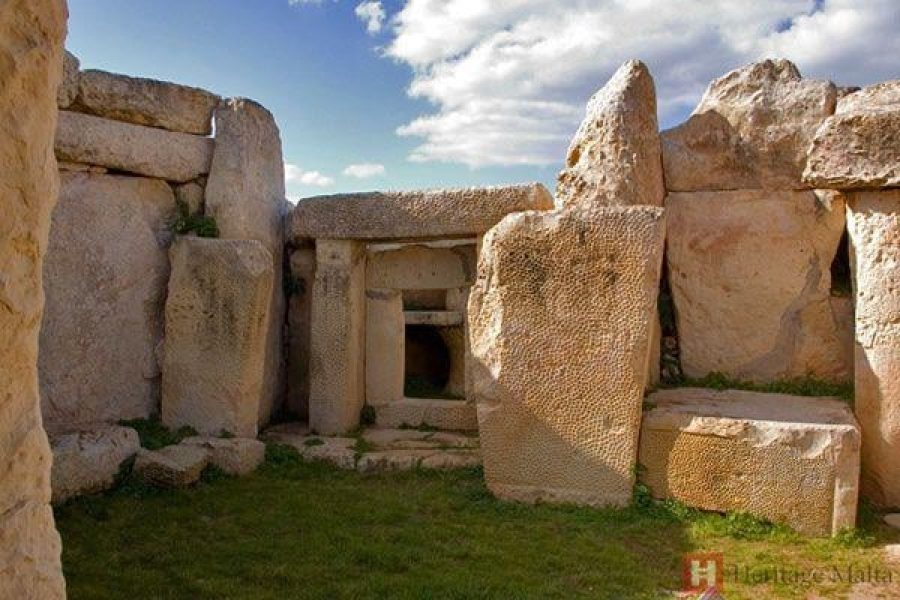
{"x":702,"y":572}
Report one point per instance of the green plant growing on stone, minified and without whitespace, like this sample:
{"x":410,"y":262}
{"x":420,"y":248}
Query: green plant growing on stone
{"x":803,"y":386}
{"x":311,"y":442}
{"x":367,"y":416}
{"x":154,"y":435}
{"x":186,"y":223}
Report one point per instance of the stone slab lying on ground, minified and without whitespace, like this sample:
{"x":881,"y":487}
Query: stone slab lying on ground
{"x":417,"y":439}
{"x":788,"y":459}
{"x":750,"y":277}
{"x":235,"y":456}
{"x":172,"y":466}
{"x":455,"y":415}
{"x":413,"y":215}
{"x":146,"y":102}
{"x":560,"y":319}
{"x":178,"y":157}
{"x":215,"y":335}
{"x":88,"y":460}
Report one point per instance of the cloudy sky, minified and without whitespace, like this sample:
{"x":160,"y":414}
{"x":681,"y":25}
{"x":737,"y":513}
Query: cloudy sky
{"x":376,"y":94}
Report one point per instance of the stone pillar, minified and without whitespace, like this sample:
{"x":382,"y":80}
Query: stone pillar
{"x":873,"y":221}
{"x":385,"y":346}
{"x":337,"y":338}
{"x":31,"y":42}
{"x":302,"y":275}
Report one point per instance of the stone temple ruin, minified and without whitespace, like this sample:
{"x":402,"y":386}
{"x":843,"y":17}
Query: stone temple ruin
{"x":181,"y":284}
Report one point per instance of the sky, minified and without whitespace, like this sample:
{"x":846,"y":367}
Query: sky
{"x":401,"y":94}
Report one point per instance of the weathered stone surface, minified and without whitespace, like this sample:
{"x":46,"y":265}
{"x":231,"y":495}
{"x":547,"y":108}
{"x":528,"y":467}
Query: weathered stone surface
{"x":88,"y":460}
{"x":451,"y":415}
{"x":873,"y":222}
{"x":80,"y":168}
{"x":215,"y":338}
{"x":172,"y":466}
{"x":338,"y":451}
{"x":191,"y":194}
{"x":245,"y":194}
{"x":417,"y":267}
{"x":235,"y":456}
{"x":338,"y":338}
{"x":31,"y":44}
{"x":434,"y":318}
{"x":457,"y":347}
{"x":68,"y":87}
{"x":413,"y":215}
{"x":135,"y":149}
{"x":105,"y":276}
{"x":858,"y":148}
{"x":560,"y":320}
{"x":415,"y":439}
{"x":405,"y":460}
{"x":385,"y":346}
{"x":787,"y":459}
{"x":751,"y":130}
{"x":750,"y":278}
{"x":615,"y":157}
{"x":302,"y":274}
{"x":146,"y":102}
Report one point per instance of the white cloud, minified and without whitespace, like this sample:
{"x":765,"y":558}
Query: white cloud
{"x":510,"y":78}
{"x":364,"y":171}
{"x":372,"y":14}
{"x":294,"y":174}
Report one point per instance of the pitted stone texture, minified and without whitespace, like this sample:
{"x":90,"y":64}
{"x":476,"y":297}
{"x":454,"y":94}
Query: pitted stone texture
{"x":215,"y":338}
{"x":418,"y":267}
{"x":787,"y":459}
{"x":560,"y":320}
{"x":147,"y":151}
{"x":235,"y":456}
{"x":451,"y":415}
{"x":413,"y":215}
{"x":88,"y":461}
{"x":68,"y":88}
{"x":385,"y":346}
{"x":302,"y":274}
{"x":873,"y":221}
{"x":750,"y":277}
{"x":146,"y":102}
{"x":751,"y":130}
{"x":105,"y":277}
{"x":172,"y":466}
{"x":859,"y":147}
{"x":338,"y":337}
{"x":31,"y":44}
{"x":614,"y":159}
{"x":245,"y":195}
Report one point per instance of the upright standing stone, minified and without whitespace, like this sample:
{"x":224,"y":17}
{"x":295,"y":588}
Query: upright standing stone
{"x":302,"y":277}
{"x":873,"y":220}
{"x":385,"y":346}
{"x":245,"y":194}
{"x":215,"y":344}
{"x":561,"y":317}
{"x":615,"y":158}
{"x":337,"y":342}
{"x":68,"y":88}
{"x":31,"y":44}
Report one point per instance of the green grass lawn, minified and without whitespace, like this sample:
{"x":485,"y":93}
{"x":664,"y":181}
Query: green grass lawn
{"x":296,"y":530}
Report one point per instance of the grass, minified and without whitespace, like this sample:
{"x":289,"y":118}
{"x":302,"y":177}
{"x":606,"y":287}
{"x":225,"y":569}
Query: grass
{"x":295,"y":530}
{"x":794,"y":387}
{"x":154,"y":435}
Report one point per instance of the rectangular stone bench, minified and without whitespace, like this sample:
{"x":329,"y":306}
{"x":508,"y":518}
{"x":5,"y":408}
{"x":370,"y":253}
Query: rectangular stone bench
{"x":788,"y":459}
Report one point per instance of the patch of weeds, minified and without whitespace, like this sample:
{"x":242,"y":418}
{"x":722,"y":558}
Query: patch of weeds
{"x":309,"y":443}
{"x":367,"y":416}
{"x":282,"y":455}
{"x":802,"y":386}
{"x":154,"y":435}
{"x":362,"y":446}
{"x":424,"y":427}
{"x":197,"y":223}
{"x":744,"y":526}
{"x":226,"y":435}
{"x":213,"y":474}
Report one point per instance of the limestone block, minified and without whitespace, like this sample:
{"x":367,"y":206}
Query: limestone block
{"x":751,"y":281}
{"x":31,"y":44}
{"x":434,"y":318}
{"x":81,"y":168}
{"x":859,"y":147}
{"x":414,"y":214}
{"x":235,"y":456}
{"x":87,"y":461}
{"x":873,"y":221}
{"x":457,"y":346}
{"x":191,"y":194}
{"x":614,"y":158}
{"x":751,"y":130}
{"x":146,"y":102}
{"x":338,"y":451}
{"x":68,"y":88}
{"x":338,"y":337}
{"x":560,"y":320}
{"x":172,"y":466}
{"x":135,"y":149}
{"x":449,"y":415}
{"x":215,"y":338}
{"x":385,"y":346}
{"x":245,"y":194}
{"x":418,"y":267}
{"x":787,"y":459}
{"x":302,"y":274}
{"x":105,"y":276}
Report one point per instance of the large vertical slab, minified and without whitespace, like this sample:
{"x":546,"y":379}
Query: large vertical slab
{"x":337,"y":339}
{"x":561,"y":317}
{"x":873,"y":221}
{"x":216,"y":326}
{"x":303,"y":272}
{"x":385,"y":346}
{"x":31,"y":44}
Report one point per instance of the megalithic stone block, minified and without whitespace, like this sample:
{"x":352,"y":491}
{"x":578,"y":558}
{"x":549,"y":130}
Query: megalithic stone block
{"x":385,"y":346}
{"x":561,"y":317}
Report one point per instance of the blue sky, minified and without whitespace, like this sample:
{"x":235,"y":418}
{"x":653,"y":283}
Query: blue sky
{"x":433,"y":93}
